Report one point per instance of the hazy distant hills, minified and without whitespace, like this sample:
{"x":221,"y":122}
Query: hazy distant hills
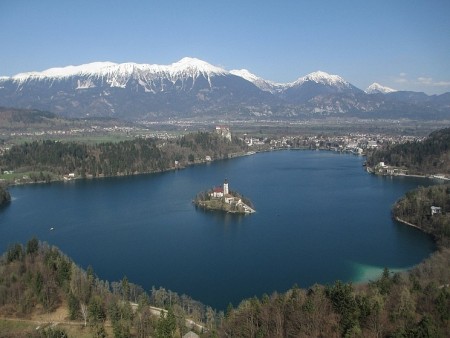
{"x":192,"y":88}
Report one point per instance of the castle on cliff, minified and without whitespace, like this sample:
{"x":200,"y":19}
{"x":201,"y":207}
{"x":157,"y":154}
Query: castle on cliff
{"x":224,"y":132}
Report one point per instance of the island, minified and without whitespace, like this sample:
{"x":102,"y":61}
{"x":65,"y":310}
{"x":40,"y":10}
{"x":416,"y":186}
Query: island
{"x":223,"y":199}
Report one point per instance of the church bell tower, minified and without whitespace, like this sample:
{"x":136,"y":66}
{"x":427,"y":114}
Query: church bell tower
{"x":225,"y":187}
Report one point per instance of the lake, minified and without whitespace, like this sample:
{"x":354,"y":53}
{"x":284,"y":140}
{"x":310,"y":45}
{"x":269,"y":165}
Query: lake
{"x":320,"y":217}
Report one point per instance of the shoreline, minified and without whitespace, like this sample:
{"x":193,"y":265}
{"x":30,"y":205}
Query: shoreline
{"x":410,"y":224}
{"x":101,"y":176}
{"x":370,"y":170}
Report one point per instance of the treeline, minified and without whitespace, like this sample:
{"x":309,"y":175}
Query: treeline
{"x":122,"y":158}
{"x":5,"y":197}
{"x":37,"y":277}
{"x":24,"y":117}
{"x":432,"y":156}
{"x":397,"y":305}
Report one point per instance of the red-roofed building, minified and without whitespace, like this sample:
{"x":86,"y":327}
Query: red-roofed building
{"x":220,"y":191}
{"x":217,"y":192}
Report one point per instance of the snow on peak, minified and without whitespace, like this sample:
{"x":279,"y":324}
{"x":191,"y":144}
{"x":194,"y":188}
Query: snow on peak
{"x":245,"y":74}
{"x":61,"y":72}
{"x":184,"y":67}
{"x":376,"y":88}
{"x":323,"y":78}
{"x":189,"y":64}
{"x":259,"y":82}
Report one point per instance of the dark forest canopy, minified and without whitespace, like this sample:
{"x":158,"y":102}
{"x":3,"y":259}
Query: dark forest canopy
{"x":416,"y":208}
{"x":432,"y":156}
{"x":4,"y":195}
{"x":122,"y":158}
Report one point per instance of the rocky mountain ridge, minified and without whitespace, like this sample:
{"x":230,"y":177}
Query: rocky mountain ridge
{"x":192,"y":88}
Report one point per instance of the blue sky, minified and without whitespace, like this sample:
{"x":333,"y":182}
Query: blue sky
{"x":401,"y":44}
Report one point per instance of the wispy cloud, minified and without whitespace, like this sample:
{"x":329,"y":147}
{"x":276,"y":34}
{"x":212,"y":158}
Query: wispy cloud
{"x":428,"y":81}
{"x":401,"y":78}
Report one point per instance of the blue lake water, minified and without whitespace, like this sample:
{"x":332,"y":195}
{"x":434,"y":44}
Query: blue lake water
{"x":320,"y":217}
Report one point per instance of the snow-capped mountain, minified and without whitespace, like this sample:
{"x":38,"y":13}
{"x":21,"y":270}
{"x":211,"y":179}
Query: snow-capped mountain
{"x":119,"y":75}
{"x":259,"y":82}
{"x":130,"y":90}
{"x":194,"y":88}
{"x":318,"y":84}
{"x":324,"y":79}
{"x":376,"y":88}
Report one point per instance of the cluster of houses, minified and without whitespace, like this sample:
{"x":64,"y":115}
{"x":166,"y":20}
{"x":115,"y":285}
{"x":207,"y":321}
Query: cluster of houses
{"x":383,"y":169}
{"x":69,"y":177}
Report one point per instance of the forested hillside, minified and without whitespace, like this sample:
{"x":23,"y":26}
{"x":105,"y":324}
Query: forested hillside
{"x":432,"y":156}
{"x":112,"y":159}
{"x":38,"y":278}
{"x":15,"y":118}
{"x":415,"y":208}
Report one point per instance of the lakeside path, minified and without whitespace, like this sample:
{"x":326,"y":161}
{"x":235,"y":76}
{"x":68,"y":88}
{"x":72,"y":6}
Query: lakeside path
{"x":370,"y":170}
{"x":407,"y":223}
{"x":60,"y":315}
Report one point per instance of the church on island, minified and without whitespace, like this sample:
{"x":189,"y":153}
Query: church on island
{"x":223,"y":193}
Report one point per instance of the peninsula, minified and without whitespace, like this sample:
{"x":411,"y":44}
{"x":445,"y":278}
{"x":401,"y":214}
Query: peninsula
{"x":223,"y":199}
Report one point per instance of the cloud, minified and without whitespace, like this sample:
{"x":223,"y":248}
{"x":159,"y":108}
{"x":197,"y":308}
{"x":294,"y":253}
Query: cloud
{"x":427,"y":81}
{"x":401,"y":78}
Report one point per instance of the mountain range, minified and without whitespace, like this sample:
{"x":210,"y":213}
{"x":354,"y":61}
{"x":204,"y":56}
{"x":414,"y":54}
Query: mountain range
{"x":192,"y":88}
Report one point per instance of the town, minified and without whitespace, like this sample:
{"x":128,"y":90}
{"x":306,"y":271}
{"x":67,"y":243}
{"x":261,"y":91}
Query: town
{"x":351,"y":142}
